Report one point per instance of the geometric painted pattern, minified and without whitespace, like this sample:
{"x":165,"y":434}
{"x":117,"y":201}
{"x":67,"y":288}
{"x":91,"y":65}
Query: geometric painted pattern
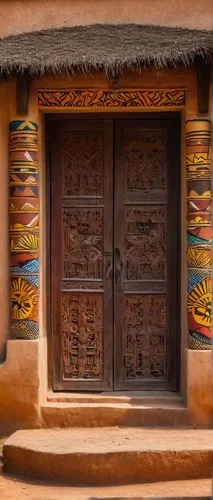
{"x":24,"y":229}
{"x":199,"y":234}
{"x":109,"y":98}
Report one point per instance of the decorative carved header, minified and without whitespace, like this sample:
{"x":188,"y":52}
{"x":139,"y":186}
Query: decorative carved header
{"x":104,"y":98}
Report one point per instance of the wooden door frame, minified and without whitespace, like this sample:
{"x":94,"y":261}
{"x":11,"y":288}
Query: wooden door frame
{"x":150,"y":115}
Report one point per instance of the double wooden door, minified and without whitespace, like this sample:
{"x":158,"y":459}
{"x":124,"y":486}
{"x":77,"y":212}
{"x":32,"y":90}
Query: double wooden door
{"x":114,"y":254}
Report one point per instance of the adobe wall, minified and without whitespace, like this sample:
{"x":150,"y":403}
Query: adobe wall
{"x":18,"y":16}
{"x":4,"y":254}
{"x":24,"y":374}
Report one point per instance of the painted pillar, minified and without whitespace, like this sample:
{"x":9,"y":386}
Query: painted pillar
{"x":199,"y":233}
{"x":24,"y":229}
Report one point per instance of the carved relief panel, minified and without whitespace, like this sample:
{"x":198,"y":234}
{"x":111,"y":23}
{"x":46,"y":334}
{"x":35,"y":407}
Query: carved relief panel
{"x":82,"y":163}
{"x":145,"y":338}
{"x":145,"y":242}
{"x":145,"y":158}
{"x":82,"y":334}
{"x":83,"y":243}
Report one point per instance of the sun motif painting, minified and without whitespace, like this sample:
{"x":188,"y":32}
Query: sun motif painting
{"x":23,"y":299}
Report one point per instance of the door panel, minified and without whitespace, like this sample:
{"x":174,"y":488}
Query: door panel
{"x":81,"y":264}
{"x":114,"y":254}
{"x":144,"y":238}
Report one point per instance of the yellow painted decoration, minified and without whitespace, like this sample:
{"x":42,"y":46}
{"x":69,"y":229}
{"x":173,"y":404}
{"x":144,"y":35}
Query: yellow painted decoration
{"x":199,"y":302}
{"x":23,"y":298}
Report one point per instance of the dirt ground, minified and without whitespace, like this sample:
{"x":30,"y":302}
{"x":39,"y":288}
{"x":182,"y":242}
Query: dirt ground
{"x":17,"y":489}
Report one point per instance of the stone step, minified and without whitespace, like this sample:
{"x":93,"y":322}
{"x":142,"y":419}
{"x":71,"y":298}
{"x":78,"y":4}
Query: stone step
{"x":89,"y":412}
{"x":99,"y":456}
{"x":132,"y":397}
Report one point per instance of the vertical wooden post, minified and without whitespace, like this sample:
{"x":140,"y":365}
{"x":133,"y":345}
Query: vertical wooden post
{"x":22,"y":93}
{"x":199,"y":233}
{"x":24,"y":229}
{"x":203,"y":71}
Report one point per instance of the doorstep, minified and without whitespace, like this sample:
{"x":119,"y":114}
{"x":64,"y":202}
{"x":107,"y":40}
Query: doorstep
{"x":114,"y":409}
{"x":98,"y":456}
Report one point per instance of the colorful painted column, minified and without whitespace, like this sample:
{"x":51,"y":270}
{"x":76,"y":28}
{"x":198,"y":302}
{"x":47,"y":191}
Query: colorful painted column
{"x":24,"y":229}
{"x":199,"y":233}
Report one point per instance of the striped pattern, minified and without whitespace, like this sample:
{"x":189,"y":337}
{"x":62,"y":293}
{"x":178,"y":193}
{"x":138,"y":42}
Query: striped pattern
{"x":199,"y":234}
{"x":24,"y":229}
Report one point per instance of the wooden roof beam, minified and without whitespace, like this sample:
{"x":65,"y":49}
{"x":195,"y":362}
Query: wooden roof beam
{"x":203,"y":71}
{"x":23,"y":81}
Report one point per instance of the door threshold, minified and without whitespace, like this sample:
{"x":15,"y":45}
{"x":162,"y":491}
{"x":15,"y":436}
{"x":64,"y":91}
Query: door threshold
{"x":139,"y":397}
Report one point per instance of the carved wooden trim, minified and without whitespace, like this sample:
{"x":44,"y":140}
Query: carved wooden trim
{"x":105,"y":98}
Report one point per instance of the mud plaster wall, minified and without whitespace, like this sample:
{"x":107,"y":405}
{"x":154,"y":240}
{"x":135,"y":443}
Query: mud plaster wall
{"x":18,"y":16}
{"x":4,"y":254}
{"x":26,"y":363}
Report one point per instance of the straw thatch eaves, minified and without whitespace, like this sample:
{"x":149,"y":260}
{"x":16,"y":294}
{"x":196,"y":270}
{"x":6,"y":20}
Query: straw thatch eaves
{"x":109,"y":47}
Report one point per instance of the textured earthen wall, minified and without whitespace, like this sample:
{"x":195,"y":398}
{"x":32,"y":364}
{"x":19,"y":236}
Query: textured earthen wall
{"x":199,"y":387}
{"x":19,"y":386}
{"x":4,"y":254}
{"x":23,"y":376}
{"x":27,"y":15}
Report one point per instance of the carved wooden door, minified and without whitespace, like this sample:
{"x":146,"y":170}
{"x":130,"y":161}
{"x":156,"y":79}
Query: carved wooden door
{"x":82,"y":240}
{"x":145,"y":256}
{"x":114,"y":233}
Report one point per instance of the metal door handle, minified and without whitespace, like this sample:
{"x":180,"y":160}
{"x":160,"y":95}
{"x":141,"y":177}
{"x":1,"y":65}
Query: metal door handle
{"x":108,"y":268}
{"x":118,"y":266}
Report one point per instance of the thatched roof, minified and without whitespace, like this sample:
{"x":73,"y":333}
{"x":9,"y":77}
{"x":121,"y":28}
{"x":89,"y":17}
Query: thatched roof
{"x":109,"y":47}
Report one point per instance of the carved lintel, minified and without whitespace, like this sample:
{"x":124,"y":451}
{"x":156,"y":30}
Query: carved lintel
{"x":203,"y":70}
{"x":22,"y":93}
{"x":109,"y":98}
